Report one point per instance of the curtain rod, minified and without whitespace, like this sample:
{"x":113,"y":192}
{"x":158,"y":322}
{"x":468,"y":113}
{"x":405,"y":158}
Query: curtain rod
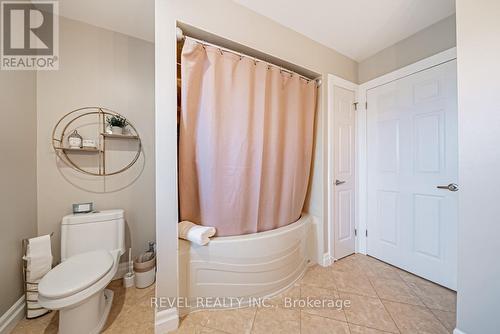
{"x":181,"y":36}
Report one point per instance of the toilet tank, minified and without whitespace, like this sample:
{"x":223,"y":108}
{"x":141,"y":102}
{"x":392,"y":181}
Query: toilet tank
{"x":82,"y":233}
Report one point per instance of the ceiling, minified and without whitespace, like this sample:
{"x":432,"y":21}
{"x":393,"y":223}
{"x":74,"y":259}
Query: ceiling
{"x":131,"y":17}
{"x":355,"y":28}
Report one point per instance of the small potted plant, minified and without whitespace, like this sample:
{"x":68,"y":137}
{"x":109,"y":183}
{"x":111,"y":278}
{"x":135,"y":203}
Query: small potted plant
{"x":117,"y":124}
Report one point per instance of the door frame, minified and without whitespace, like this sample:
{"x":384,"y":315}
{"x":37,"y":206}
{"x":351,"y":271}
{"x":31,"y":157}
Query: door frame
{"x":334,"y":80}
{"x":361,"y":123}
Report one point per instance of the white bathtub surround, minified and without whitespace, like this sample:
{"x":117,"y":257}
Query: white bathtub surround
{"x":198,"y":234}
{"x":247,"y":266}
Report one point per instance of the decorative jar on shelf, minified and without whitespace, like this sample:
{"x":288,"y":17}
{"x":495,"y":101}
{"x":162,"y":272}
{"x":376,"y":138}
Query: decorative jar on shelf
{"x":116,"y":130}
{"x":75,"y":140}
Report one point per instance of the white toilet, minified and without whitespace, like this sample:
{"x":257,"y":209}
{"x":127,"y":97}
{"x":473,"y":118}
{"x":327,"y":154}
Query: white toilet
{"x":91,"y":246}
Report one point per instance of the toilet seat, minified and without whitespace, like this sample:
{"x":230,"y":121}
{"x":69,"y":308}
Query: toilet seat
{"x":75,"y":274}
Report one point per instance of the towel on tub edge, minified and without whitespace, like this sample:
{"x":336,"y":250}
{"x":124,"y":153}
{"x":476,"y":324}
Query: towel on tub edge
{"x":195,"y":233}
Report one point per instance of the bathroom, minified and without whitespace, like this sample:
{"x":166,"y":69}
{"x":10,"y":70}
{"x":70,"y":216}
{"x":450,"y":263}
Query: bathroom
{"x":136,"y":62}
{"x":100,"y":65}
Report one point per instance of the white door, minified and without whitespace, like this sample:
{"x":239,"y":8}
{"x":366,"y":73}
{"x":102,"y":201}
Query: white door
{"x":344,"y":171}
{"x":412,"y":150}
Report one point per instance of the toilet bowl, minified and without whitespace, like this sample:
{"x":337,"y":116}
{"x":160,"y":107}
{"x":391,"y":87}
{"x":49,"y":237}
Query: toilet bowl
{"x":77,"y":286}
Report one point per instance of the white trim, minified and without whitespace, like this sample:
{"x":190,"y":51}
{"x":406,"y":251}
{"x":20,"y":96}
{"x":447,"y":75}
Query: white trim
{"x":314,"y":244}
{"x":121,"y":270}
{"x":362,"y":208}
{"x":166,"y":320}
{"x":12,"y":316}
{"x":458,"y":331}
{"x":167,"y":244}
{"x":334,"y":80}
{"x":327,"y":260}
{"x":420,"y":65}
{"x":361,"y":165}
{"x":338,"y":81}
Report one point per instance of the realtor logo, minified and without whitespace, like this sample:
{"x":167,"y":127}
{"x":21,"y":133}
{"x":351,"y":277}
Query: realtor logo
{"x":29,"y":35}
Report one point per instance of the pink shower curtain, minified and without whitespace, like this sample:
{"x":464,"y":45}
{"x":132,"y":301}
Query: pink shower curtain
{"x":246,"y":139}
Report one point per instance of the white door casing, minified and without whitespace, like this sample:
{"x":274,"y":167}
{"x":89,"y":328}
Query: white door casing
{"x":411,"y":149}
{"x":343,"y":144}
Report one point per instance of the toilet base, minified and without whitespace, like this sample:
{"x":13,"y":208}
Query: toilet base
{"x":88,"y":317}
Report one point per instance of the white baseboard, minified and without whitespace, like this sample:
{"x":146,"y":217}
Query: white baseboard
{"x":327,"y":260}
{"x":166,"y":321}
{"x":457,"y":331}
{"x":121,"y":271}
{"x":13,"y":315}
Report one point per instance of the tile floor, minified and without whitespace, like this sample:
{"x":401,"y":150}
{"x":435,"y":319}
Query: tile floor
{"x":383,"y":299}
{"x":130,"y":313}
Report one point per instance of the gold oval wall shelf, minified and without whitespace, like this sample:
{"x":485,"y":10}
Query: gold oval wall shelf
{"x":63,"y":129}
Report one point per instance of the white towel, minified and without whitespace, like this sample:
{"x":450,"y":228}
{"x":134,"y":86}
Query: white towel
{"x":38,"y":257}
{"x":33,"y":307}
{"x":195,"y":233}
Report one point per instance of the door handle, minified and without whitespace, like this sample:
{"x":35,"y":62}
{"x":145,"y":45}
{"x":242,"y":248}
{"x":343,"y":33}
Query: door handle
{"x":338,"y":182}
{"x":450,"y":187}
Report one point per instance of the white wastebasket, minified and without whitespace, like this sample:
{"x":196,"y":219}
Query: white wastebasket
{"x":145,"y":271}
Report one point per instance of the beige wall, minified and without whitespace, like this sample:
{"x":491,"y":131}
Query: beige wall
{"x":98,"y":67}
{"x":17,"y":178}
{"x":478,"y":54}
{"x":241,"y":25}
{"x":425,"y":43}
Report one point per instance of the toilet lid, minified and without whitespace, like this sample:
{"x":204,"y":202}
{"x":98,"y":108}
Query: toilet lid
{"x":75,"y":274}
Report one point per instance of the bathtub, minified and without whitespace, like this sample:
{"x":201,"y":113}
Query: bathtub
{"x":253,"y":265}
